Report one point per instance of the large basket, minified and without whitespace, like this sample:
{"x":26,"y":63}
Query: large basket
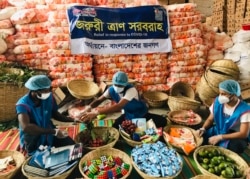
{"x":155,"y":99}
{"x":9,"y":95}
{"x":204,"y":177}
{"x":226,"y":66}
{"x":182,"y":103}
{"x":198,"y":140}
{"x":239,"y":161}
{"x":33,"y":176}
{"x":101,"y":130}
{"x":18,"y":158}
{"x":82,"y":89}
{"x":128,"y":140}
{"x":95,"y":154}
{"x":183,"y":113}
{"x":182,"y":89}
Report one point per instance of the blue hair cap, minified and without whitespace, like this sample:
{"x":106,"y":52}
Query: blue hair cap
{"x":120,"y":78}
{"x":231,"y":87}
{"x":38,"y":82}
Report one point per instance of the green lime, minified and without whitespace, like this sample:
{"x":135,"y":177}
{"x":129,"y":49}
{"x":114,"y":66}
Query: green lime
{"x":215,"y":160}
{"x":206,"y":160}
{"x":205,"y":166}
{"x":210,"y":154}
{"x":217,"y":170}
{"x":211,"y":165}
{"x":202,"y":153}
{"x":211,"y":170}
{"x":229,"y":172}
{"x":222,"y":166}
{"x":216,"y":152}
{"x":238,"y":173}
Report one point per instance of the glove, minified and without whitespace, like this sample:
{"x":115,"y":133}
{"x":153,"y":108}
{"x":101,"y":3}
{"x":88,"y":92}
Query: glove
{"x":61,"y":134}
{"x":87,"y":117}
{"x":200,"y":132}
{"x":215,"y":139}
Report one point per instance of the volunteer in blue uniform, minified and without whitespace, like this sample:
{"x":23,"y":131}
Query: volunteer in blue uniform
{"x":35,"y":111}
{"x":228,"y":123}
{"x":126,"y":99}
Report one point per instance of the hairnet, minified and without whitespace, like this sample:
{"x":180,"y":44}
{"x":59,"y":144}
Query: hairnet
{"x":120,"y":78}
{"x":38,"y":82}
{"x":231,"y":87}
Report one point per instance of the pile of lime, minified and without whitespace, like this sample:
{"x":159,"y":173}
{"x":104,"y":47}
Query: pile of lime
{"x":215,"y":162}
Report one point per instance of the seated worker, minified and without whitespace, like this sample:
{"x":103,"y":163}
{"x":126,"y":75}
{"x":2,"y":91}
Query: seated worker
{"x":228,"y":123}
{"x":127,"y":100}
{"x":34,"y":112}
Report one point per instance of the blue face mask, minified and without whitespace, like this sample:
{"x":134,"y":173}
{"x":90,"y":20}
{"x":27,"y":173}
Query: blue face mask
{"x":118,"y":89}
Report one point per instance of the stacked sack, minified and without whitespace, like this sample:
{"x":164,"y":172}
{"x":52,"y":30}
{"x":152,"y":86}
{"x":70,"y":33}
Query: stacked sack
{"x":221,"y":42}
{"x":150,"y":70}
{"x":30,"y":46}
{"x":63,"y":65}
{"x":7,"y":31}
{"x":106,"y":65}
{"x":188,"y":58}
{"x":240,"y":54}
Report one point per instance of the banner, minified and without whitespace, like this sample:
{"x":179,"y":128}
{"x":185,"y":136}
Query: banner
{"x":135,"y":30}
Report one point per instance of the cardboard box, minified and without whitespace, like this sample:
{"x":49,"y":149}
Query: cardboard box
{"x":59,"y":95}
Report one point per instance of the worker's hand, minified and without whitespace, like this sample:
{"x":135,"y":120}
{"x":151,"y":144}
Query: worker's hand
{"x":61,"y":134}
{"x":215,"y":139}
{"x":88,"y":117}
{"x":200,"y":132}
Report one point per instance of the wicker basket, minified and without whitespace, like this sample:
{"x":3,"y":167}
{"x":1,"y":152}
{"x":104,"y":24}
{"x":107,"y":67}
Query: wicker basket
{"x":155,"y":99}
{"x":9,"y":95}
{"x":129,"y":141}
{"x":183,"y":113}
{"x":32,"y":176}
{"x":204,"y":177}
{"x":182,"y":103}
{"x":82,"y":89}
{"x":227,"y":67}
{"x":99,"y":131}
{"x":95,"y":154}
{"x":18,"y":158}
{"x":182,"y":89}
{"x":239,"y":161}
{"x":146,"y":176}
{"x":198,"y":140}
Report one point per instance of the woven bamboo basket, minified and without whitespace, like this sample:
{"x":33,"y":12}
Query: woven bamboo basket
{"x":95,"y":154}
{"x":198,"y":140}
{"x":82,"y":89}
{"x":215,"y":77}
{"x":99,"y":131}
{"x":32,"y":176}
{"x":241,"y":163}
{"x":146,"y":176}
{"x":183,"y":113}
{"x":205,"y":92}
{"x":182,"y":103}
{"x":204,"y":177}
{"x":18,"y":158}
{"x":9,"y":95}
{"x":182,"y":89}
{"x":128,"y":140}
{"x":227,"y":67}
{"x":155,"y":99}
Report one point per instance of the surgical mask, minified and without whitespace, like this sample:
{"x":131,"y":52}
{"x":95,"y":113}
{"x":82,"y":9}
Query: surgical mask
{"x":43,"y":96}
{"x":223,"y":99}
{"x":118,"y":89}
